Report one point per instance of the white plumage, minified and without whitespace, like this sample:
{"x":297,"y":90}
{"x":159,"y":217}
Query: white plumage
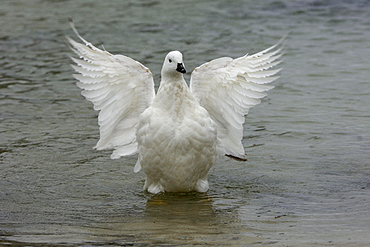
{"x":181,"y":131}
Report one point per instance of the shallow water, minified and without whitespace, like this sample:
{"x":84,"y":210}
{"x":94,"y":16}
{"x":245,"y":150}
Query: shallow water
{"x":307,"y":178}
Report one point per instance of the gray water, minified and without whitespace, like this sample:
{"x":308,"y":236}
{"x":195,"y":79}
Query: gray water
{"x":307,"y":178}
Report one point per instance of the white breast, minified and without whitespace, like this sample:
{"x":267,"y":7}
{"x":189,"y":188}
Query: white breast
{"x":177,"y":142}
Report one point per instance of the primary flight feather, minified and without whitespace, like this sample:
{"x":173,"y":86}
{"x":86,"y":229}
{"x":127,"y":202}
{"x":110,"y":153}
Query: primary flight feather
{"x":180,"y":132}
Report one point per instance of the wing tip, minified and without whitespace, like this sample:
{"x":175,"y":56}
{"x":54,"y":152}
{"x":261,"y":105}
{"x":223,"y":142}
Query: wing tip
{"x":137,"y":167}
{"x":237,"y":158}
{"x":72,"y":25}
{"x":279,"y":46}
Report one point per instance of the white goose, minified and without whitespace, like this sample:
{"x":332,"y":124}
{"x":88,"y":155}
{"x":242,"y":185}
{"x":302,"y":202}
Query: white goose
{"x":180,"y":132}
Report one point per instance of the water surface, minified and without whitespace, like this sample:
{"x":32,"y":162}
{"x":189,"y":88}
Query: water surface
{"x":307,"y":178}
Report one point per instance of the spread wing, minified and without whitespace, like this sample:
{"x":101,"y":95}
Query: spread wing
{"x":227,"y":88}
{"x":120,"y":89}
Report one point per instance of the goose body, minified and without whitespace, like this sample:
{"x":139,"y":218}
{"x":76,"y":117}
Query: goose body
{"x":180,"y":132}
{"x":177,"y":140}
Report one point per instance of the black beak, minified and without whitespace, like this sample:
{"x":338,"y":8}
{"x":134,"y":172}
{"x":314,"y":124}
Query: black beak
{"x":180,"y":68}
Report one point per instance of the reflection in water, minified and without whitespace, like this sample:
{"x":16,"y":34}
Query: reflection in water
{"x":182,"y":214}
{"x":175,"y":217}
{"x":172,"y":219}
{"x":180,"y":206}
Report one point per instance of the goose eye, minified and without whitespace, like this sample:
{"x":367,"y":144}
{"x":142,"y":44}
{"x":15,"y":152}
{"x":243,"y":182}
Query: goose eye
{"x":169,"y":60}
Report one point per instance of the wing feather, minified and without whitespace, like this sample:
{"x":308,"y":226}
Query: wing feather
{"x":227,"y":88}
{"x":119,"y":87}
